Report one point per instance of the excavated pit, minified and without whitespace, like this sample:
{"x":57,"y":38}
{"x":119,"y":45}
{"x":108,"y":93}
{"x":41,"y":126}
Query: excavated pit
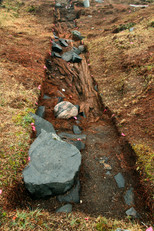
{"x":105,"y":147}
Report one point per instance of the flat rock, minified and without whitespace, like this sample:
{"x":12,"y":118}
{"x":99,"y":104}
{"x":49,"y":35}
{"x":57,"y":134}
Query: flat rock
{"x":76,"y":130}
{"x":67,"y":56}
{"x":41,"y":111}
{"x":63,"y":42}
{"x":77,"y":35}
{"x":129,"y":197}
{"x":53,"y":167}
{"x":64,"y":135}
{"x":55,"y":54}
{"x":131,"y":212}
{"x":56,"y":47}
{"x":41,"y":123}
{"x":76,"y":50}
{"x":81,"y":48}
{"x":73,"y":196}
{"x":65,"y":110}
{"x":76,"y":58}
{"x":65,"y":209}
{"x":46,"y":97}
{"x":78,"y":144}
{"x":120,"y":180}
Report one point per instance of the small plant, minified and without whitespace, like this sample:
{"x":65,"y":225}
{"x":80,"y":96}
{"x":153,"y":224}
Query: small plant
{"x":124,"y":27}
{"x":31,"y":9}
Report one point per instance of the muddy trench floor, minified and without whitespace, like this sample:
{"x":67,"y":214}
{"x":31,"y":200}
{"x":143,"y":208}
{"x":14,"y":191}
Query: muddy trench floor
{"x":99,"y":194}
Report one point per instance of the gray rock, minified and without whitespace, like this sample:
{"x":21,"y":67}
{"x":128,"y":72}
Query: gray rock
{"x":64,"y":135}
{"x":41,"y":123}
{"x":60,"y":99}
{"x":81,"y":48}
{"x":65,"y":110}
{"x":76,"y":50}
{"x":77,"y":35}
{"x":41,"y":111}
{"x":131,"y":212}
{"x":76,"y":58}
{"x":96,"y":88}
{"x":78,"y":144}
{"x":63,"y":42}
{"x":78,"y":107}
{"x":65,"y":209}
{"x":76,"y":130}
{"x":46,"y":97}
{"x":53,"y":167}
{"x":108,"y":173}
{"x":129,"y":197}
{"x":120,"y":180}
{"x":55,"y":54}
{"x":56,"y":47}
{"x":67,"y":56}
{"x":73,"y":196}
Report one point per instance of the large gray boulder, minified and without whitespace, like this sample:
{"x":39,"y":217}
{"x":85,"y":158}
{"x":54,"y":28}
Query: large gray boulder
{"x":65,"y":110}
{"x":53,"y":166}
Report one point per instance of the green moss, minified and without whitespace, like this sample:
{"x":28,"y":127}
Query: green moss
{"x":145,"y":158}
{"x":23,"y":118}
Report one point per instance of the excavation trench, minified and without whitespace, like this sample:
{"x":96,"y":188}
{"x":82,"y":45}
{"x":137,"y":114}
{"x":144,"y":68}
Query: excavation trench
{"x":106,"y":152}
{"x":105,"y":147}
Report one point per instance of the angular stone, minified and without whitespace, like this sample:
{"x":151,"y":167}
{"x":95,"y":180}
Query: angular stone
{"x":120,"y":180}
{"x":53,"y":167}
{"x":72,"y":196}
{"x":57,"y":55}
{"x":41,"y":111}
{"x":76,"y":130}
{"x":76,"y":58}
{"x":108,"y":173}
{"x":46,"y":97}
{"x":131,"y":212}
{"x":65,"y":209}
{"x":76,"y":50}
{"x":67,"y":56}
{"x":78,"y":144}
{"x":77,"y":35}
{"x":56,"y":47}
{"x":65,"y":110}
{"x":41,"y":123}
{"x":81,"y":48}
{"x":129,"y":197}
{"x":64,"y":135}
{"x":63,"y":42}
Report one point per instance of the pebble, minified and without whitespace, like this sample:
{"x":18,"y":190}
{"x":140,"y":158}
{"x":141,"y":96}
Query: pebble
{"x":107,"y":166}
{"x":131,"y":212}
{"x":65,"y":209}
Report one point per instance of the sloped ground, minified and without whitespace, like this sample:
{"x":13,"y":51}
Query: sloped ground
{"x":17,"y":62}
